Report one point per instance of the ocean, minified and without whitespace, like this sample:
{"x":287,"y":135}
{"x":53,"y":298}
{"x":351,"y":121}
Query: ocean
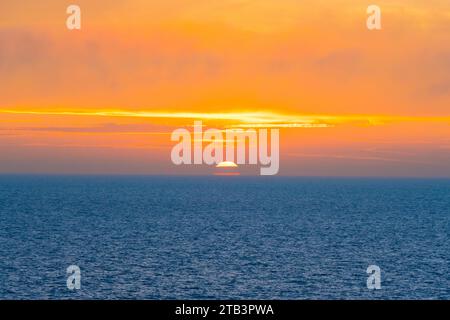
{"x":223,"y":237}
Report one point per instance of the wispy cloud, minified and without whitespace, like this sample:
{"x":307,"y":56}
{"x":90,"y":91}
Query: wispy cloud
{"x":246,"y":119}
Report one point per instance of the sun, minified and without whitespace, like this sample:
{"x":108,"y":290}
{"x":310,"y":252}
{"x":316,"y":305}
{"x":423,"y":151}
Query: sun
{"x":226,"y":164}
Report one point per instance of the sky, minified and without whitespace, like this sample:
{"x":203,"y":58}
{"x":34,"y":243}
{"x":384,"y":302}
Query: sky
{"x":105,"y":99}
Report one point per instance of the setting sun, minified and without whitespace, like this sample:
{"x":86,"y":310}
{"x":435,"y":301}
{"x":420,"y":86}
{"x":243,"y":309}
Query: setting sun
{"x":227,"y":164}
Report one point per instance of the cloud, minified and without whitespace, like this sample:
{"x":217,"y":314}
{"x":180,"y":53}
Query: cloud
{"x":209,"y":56}
{"x":105,"y":128}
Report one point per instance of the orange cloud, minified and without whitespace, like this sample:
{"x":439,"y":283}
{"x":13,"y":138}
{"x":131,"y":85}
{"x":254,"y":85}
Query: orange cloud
{"x":140,"y":68}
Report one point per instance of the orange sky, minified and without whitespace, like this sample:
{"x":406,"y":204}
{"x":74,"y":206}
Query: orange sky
{"x":105,"y":99}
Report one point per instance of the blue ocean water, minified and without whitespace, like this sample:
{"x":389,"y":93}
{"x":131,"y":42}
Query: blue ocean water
{"x":223,"y":237}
